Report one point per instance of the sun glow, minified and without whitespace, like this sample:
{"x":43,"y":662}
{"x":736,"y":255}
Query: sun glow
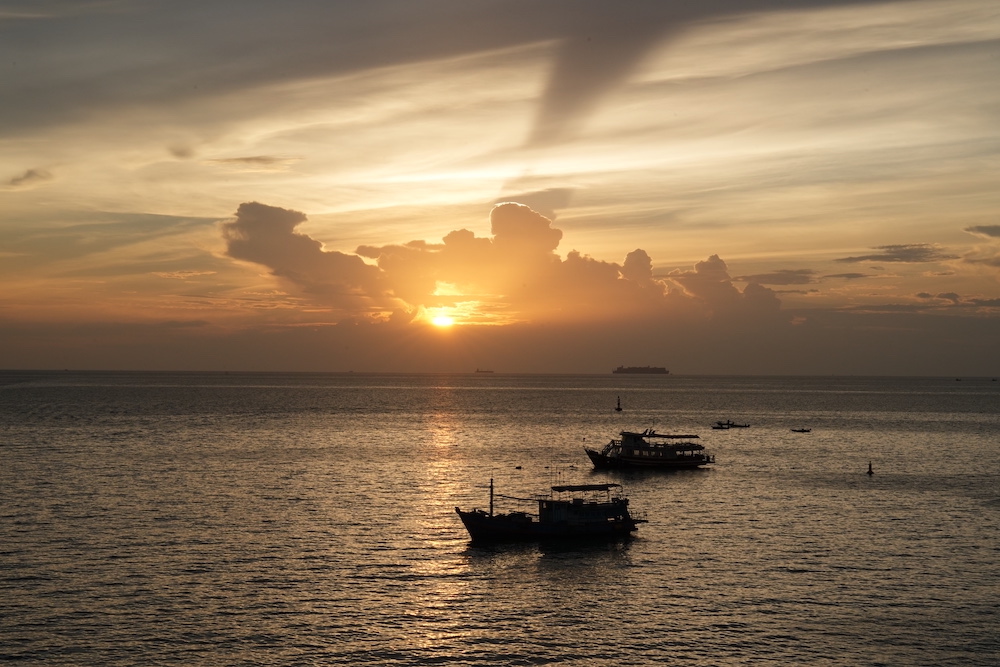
{"x":442,"y":321}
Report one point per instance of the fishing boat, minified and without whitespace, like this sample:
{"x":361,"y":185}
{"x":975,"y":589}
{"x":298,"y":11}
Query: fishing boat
{"x":720,"y":425}
{"x":567,"y":512}
{"x":650,"y":449}
{"x":801,"y":430}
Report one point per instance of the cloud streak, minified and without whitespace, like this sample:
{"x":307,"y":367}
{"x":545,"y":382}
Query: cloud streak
{"x":30,"y":178}
{"x":781,"y":277}
{"x":985,"y":231}
{"x":912,"y":253}
{"x":594,"y":50}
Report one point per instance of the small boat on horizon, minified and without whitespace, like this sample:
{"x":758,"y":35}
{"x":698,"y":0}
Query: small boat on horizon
{"x":642,"y":370}
{"x":650,"y":449}
{"x":801,"y":430}
{"x":720,"y":425}
{"x":567,"y":512}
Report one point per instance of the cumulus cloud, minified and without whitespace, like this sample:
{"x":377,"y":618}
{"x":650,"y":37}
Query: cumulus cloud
{"x":711,"y":286}
{"x":546,"y":201}
{"x":913,"y":253}
{"x":266,"y":235}
{"x":638,"y":267}
{"x":515,"y":275}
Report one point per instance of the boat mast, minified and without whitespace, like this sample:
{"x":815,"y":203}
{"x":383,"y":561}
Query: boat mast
{"x":491,"y":496}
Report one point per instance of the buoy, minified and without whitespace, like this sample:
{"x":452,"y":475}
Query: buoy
{"x":618,"y":408}
{"x":870,"y":471}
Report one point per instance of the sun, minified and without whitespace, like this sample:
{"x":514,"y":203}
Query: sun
{"x":442,"y":321}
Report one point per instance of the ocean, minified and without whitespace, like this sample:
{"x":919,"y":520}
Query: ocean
{"x":308,"y":519}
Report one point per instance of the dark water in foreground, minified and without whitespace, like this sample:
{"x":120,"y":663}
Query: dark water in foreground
{"x":204,"y":519}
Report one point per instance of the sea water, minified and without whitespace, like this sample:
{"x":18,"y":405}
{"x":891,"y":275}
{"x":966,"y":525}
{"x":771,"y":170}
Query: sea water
{"x":270,"y":519}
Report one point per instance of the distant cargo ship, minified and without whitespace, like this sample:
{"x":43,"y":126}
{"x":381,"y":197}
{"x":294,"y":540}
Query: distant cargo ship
{"x":649,"y":370}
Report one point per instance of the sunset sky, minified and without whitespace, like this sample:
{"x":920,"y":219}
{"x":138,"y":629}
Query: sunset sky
{"x":788,"y":187}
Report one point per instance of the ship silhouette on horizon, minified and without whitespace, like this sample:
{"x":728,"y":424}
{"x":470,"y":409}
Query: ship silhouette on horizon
{"x":647,"y":370}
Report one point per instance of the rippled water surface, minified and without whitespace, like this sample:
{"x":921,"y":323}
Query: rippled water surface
{"x":210,"y":519}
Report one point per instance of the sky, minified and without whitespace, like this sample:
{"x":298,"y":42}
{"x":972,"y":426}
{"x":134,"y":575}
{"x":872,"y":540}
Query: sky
{"x":724,"y":187}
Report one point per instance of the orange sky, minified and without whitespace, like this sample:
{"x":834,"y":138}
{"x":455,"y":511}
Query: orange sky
{"x":796,"y":187}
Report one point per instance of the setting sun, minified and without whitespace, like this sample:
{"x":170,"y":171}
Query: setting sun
{"x":443,"y":321}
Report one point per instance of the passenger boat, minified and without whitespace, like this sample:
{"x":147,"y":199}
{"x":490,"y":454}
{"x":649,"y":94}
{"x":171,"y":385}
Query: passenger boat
{"x":568,"y":512}
{"x":650,"y":449}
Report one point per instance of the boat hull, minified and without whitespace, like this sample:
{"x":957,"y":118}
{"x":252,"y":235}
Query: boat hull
{"x":484,"y":528}
{"x":604,"y":462}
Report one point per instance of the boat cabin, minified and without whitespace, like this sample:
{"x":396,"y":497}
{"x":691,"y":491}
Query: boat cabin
{"x":587,"y":503}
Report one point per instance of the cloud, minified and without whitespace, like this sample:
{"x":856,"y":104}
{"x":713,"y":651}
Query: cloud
{"x":986,"y":231}
{"x":596,"y":56}
{"x":547,"y":201}
{"x":955,"y":300}
{"x":182,"y":275}
{"x":913,"y":253}
{"x":945,"y":296}
{"x":993,"y":262}
{"x":30,"y":178}
{"x":266,"y":235}
{"x":710,"y":285}
{"x":512,"y":276}
{"x":595,"y":48}
{"x":848,"y":276}
{"x":181,"y":151}
{"x":257,"y":162}
{"x":781,"y":277}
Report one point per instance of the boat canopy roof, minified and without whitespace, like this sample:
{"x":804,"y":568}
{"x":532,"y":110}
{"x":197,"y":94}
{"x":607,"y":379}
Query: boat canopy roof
{"x":650,"y":433}
{"x":584,"y":487}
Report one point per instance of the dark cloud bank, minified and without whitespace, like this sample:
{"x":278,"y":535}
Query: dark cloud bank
{"x":68,"y":55}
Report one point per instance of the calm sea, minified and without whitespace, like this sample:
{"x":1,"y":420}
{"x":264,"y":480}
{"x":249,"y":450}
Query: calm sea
{"x":268,"y":519}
